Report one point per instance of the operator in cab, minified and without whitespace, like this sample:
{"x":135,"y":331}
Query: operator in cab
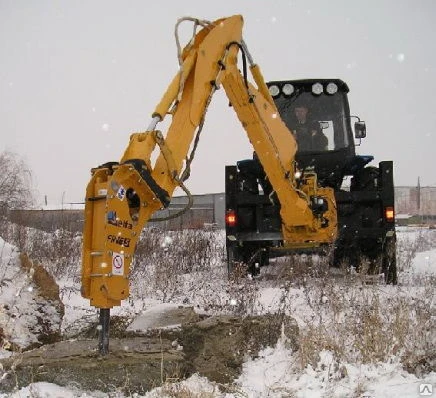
{"x":307,"y":131}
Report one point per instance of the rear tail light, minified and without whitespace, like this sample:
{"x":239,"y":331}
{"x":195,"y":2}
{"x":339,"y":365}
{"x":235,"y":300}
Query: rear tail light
{"x":389,"y":214}
{"x":230,"y":218}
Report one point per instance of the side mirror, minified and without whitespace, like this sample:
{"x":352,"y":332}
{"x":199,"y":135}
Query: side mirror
{"x":359,"y":130}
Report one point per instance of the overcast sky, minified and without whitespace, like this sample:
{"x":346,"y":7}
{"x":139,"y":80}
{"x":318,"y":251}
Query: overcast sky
{"x":77,"y":77}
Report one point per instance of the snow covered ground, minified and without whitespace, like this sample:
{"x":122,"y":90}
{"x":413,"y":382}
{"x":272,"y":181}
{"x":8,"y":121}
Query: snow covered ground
{"x":356,"y":339}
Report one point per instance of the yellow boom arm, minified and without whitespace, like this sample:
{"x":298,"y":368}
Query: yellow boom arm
{"x":122,"y":197}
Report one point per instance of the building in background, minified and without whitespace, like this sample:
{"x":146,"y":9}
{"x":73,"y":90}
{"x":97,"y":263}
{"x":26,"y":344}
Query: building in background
{"x":416,"y":201}
{"x":412,"y":204}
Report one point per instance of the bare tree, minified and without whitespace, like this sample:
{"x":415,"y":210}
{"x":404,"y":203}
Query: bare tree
{"x":15,"y":182}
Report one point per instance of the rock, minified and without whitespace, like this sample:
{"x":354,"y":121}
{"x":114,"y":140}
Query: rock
{"x":133,"y":365}
{"x":163,"y":316}
{"x":214,"y":347}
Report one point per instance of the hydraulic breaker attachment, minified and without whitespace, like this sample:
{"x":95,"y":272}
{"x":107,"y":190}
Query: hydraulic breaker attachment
{"x":113,"y":214}
{"x":119,"y":200}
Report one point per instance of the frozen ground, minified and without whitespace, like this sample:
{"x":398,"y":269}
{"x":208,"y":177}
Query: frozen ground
{"x":332,"y":360}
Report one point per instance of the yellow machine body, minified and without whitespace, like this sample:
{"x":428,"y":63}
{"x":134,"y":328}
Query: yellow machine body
{"x":122,"y":197}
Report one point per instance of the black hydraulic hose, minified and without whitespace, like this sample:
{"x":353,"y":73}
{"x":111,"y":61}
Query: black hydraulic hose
{"x":244,"y":59}
{"x":182,"y":211}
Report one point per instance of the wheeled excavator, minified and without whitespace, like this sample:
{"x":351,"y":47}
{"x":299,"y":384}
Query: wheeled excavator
{"x":364,"y":193}
{"x":122,"y":196}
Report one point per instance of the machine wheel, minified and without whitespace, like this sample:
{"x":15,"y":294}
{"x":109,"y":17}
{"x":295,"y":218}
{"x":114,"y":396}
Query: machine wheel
{"x":382,"y":260}
{"x":365,"y":179}
{"x":248,"y":254}
{"x":255,"y":256}
{"x":389,"y":261}
{"x":233,"y":258}
{"x":264,"y":257}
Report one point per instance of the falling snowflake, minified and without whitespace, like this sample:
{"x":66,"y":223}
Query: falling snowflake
{"x":400,"y":57}
{"x":105,"y":127}
{"x":167,"y":241}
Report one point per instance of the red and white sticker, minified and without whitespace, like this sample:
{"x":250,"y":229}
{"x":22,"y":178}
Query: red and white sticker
{"x":117,"y":264}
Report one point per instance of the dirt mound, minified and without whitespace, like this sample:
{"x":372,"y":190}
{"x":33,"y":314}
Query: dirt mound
{"x":46,"y":284}
{"x":216,"y":347}
{"x":48,"y":290}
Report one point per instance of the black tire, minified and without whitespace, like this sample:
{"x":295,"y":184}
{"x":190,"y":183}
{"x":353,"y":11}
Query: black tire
{"x":264,"y":257}
{"x":233,"y":258}
{"x":365,"y":179}
{"x":379,"y":258}
{"x":255,"y":257}
{"x":383,"y":260}
{"x":389,"y":261}
{"x":249,"y":254}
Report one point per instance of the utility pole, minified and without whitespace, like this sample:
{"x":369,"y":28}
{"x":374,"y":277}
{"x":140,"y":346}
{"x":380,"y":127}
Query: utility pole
{"x":418,"y":199}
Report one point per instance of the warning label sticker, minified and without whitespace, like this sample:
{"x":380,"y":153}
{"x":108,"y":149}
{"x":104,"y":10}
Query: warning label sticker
{"x":118,"y":263}
{"x":121,"y":194}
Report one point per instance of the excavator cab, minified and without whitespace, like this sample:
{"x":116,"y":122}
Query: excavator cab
{"x":327,"y":104}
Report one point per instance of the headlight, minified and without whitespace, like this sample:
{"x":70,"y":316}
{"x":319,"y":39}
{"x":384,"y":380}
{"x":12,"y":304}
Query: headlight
{"x":274,"y":90}
{"x":288,"y":89}
{"x":317,"y":88}
{"x":332,"y":88}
